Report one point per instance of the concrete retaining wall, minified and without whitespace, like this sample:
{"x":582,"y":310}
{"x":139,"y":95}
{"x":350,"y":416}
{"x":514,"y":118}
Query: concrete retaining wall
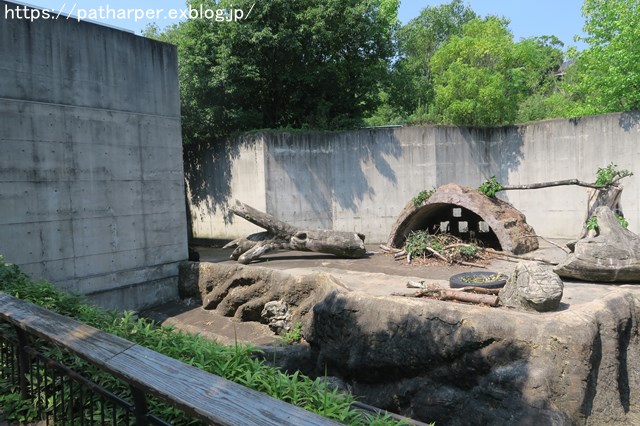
{"x":91,"y":175}
{"x":360,"y":180}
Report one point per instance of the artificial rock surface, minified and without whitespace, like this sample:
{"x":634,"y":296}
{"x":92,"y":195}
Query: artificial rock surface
{"x":613,"y":255}
{"x":452,"y":363}
{"x":532,"y":287}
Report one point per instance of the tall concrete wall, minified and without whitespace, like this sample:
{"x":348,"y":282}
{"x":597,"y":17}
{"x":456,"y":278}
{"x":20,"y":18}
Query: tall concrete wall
{"x":91,"y":175}
{"x":360,"y":180}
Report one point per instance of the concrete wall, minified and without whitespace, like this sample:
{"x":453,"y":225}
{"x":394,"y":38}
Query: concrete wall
{"x":360,"y":181}
{"x":91,"y":175}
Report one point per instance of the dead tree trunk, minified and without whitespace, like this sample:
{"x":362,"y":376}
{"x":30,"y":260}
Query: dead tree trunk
{"x":280,"y":235}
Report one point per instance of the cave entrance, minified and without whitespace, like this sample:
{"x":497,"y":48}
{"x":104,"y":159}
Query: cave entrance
{"x":466,"y":213}
{"x":455,"y":220}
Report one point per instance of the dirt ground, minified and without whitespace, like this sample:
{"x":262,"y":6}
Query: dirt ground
{"x":377,"y":274}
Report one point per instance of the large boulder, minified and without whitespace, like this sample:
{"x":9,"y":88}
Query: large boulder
{"x":532,"y":287}
{"x":612,"y":255}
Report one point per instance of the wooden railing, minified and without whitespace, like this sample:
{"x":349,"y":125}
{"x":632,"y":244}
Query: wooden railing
{"x":209,"y":398}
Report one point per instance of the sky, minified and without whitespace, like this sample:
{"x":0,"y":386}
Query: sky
{"x":561,"y":18}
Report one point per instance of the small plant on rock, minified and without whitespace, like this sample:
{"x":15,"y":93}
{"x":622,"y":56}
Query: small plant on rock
{"x":490,"y":187}
{"x":422,"y":197}
{"x":622,"y":221}
{"x":592,"y":223}
{"x":293,"y":335}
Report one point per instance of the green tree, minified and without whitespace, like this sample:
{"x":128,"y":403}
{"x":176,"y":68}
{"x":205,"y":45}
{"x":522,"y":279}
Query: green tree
{"x":409,"y":89}
{"x":483,"y":78}
{"x":608,"y":71}
{"x":474,"y":81}
{"x":291,"y":63}
{"x":537,"y":60}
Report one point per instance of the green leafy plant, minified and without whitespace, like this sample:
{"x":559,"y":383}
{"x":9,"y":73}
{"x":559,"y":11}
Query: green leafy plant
{"x":16,"y":408}
{"x":418,"y":242}
{"x":422,"y":197}
{"x":610,"y":174}
{"x":490,"y":187}
{"x":592,"y":223}
{"x":622,"y":221}
{"x":293,"y":335}
{"x":471,"y":250}
{"x":422,"y":244}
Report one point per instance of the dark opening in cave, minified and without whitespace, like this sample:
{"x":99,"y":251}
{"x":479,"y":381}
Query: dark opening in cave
{"x":454,"y":219}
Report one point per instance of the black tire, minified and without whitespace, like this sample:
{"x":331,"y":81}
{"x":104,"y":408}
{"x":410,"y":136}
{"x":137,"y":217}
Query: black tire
{"x":456,"y":281}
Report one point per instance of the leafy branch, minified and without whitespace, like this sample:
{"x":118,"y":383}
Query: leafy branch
{"x":605,"y":177}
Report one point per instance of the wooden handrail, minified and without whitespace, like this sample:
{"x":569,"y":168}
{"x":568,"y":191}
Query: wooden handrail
{"x":202,"y":395}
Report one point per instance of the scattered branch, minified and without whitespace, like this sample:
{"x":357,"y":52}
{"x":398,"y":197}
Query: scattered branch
{"x":565,"y":249}
{"x":514,"y":256}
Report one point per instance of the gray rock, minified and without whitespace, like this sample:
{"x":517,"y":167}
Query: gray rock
{"x":276,"y":314}
{"x":532,"y":287}
{"x":613,"y":255}
{"x":289,"y":358}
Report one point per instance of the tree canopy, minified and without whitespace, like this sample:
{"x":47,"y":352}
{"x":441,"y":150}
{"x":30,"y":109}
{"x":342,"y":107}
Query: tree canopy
{"x":292,"y":63}
{"x":609,"y":70}
{"x":482,"y":76}
{"x":330,"y":64}
{"x":412,"y":80}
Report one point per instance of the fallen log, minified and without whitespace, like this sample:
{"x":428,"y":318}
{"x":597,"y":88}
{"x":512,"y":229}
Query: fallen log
{"x":280,"y":235}
{"x":458,"y":295}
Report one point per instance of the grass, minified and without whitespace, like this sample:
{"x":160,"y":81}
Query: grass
{"x":235,"y":363}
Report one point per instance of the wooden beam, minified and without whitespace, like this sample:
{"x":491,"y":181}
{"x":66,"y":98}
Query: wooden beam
{"x":204,"y":396}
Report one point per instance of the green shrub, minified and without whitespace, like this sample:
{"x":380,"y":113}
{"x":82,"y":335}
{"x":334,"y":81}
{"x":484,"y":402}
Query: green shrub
{"x":490,"y":187}
{"x":606,"y":175}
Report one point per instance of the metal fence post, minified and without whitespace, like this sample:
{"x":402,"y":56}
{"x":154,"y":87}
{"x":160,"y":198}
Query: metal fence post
{"x":23,"y":362}
{"x":141,"y":410}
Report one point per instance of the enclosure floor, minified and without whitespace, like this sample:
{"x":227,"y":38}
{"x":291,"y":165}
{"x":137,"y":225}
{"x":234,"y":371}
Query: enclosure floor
{"x":377,"y":274}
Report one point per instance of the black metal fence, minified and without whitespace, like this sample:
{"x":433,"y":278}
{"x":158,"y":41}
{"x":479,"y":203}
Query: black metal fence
{"x":65,"y":372}
{"x":56,"y":394}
